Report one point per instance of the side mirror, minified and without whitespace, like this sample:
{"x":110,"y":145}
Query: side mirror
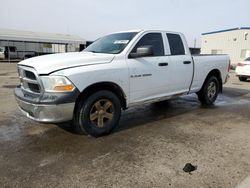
{"x":142,"y":51}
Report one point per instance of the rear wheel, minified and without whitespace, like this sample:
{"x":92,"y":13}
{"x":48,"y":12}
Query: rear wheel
{"x":243,"y":79}
{"x":98,"y":115}
{"x":209,"y":91}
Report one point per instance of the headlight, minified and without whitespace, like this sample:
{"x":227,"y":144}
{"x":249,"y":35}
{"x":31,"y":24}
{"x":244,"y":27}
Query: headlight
{"x":57,"y":84}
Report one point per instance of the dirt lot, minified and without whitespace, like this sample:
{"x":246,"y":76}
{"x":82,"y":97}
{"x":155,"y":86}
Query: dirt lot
{"x":148,"y":149}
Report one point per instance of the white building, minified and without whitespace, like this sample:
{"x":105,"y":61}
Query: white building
{"x":234,"y":42}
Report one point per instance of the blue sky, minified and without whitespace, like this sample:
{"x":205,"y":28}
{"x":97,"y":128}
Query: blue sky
{"x":91,"y":19}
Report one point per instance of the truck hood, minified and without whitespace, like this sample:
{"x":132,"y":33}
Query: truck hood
{"x":50,"y":63}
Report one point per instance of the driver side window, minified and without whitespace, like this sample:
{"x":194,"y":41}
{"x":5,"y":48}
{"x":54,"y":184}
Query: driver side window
{"x":151,"y":39}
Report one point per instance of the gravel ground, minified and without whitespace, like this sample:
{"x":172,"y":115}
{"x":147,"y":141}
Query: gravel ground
{"x":148,"y":149}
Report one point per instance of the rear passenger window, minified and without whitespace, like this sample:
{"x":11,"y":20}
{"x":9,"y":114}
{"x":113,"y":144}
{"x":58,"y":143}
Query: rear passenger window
{"x":176,"y":44}
{"x":153,"y":39}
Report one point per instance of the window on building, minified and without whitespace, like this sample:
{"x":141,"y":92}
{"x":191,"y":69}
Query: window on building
{"x":246,"y":36}
{"x":176,"y":44}
{"x":216,"y":51}
{"x":12,"y":48}
{"x":154,"y":40}
{"x":245,"y":53}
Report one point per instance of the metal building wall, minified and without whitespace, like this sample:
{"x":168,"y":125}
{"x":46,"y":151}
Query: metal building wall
{"x":230,"y":42}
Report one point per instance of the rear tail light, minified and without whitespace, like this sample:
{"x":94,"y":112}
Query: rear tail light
{"x":241,"y":64}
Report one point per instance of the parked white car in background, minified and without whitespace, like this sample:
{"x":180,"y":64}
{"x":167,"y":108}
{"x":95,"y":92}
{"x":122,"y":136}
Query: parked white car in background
{"x":2,"y":56}
{"x":243,"y":70}
{"x":116,"y":72}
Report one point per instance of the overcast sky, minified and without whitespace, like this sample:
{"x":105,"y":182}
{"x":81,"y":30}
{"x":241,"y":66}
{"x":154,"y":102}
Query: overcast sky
{"x":91,"y":19}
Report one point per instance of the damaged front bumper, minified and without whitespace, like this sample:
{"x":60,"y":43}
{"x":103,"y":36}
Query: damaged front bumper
{"x":49,"y":108}
{"x":47,"y":113}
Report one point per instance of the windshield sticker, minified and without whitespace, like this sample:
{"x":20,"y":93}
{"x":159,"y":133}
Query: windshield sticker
{"x":121,"y":42}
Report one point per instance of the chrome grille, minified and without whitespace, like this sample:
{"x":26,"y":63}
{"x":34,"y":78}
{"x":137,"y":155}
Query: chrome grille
{"x":29,"y":80}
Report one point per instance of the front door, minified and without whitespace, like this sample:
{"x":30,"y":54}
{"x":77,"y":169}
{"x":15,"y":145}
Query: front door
{"x":149,"y":76}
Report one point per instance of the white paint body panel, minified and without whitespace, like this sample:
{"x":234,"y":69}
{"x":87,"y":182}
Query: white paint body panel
{"x":204,"y":64}
{"x":86,"y":68}
{"x":49,"y":63}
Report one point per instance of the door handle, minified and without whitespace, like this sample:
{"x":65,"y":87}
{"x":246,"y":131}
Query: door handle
{"x":163,"y":64}
{"x":187,"y":62}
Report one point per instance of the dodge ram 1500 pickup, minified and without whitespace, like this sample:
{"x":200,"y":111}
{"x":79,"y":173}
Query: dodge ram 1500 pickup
{"x":116,"y":72}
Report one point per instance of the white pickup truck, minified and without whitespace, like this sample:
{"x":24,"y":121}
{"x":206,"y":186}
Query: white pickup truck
{"x":116,"y":72}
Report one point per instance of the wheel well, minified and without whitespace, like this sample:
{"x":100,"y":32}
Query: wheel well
{"x":217,"y":74}
{"x":103,"y":86}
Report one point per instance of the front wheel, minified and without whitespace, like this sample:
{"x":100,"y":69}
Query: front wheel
{"x":98,"y":115}
{"x":209,"y":91}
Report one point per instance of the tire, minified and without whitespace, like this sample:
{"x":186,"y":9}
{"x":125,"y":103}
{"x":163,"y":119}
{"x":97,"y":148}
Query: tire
{"x":209,"y":91}
{"x":97,"y":115}
{"x":242,"y":79}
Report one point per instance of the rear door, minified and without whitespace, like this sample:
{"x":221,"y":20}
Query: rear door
{"x":180,"y":63}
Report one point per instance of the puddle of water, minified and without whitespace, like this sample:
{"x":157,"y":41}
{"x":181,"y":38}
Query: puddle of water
{"x":13,"y":127}
{"x":229,"y":101}
{"x":9,"y":131}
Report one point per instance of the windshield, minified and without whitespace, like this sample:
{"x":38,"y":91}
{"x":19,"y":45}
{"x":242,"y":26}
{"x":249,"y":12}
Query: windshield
{"x":111,"y":44}
{"x":1,"y":49}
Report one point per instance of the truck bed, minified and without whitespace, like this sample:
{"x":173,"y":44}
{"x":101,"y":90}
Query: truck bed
{"x":204,"y":63}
